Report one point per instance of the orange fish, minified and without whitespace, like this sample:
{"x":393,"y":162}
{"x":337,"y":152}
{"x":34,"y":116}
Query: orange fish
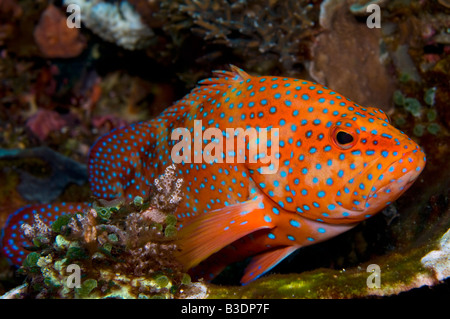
{"x":326,"y":164}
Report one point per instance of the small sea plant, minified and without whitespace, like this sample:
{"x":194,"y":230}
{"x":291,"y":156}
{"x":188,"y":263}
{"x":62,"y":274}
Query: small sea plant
{"x":117,"y":249}
{"x":424,"y":117}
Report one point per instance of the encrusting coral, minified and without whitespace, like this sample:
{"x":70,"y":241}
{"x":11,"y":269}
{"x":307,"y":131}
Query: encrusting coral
{"x":120,"y":250}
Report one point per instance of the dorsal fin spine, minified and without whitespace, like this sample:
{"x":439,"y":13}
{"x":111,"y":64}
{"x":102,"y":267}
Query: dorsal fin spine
{"x":222,"y":77}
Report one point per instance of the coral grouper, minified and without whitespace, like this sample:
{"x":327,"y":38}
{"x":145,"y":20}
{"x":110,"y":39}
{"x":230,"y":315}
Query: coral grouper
{"x":334,"y":164}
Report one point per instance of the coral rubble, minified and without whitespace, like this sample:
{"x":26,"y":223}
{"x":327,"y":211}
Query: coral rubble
{"x":117,"y":250}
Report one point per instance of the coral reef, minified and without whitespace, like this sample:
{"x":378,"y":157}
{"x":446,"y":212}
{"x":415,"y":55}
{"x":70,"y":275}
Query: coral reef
{"x":119,"y":250}
{"x":402,"y":67}
{"x":54,"y":38}
{"x":119,"y":24}
{"x":264,"y":34}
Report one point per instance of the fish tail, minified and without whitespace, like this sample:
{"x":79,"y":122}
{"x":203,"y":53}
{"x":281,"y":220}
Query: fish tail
{"x":13,"y":241}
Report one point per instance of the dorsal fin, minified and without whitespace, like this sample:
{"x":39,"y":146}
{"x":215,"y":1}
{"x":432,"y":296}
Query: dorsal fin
{"x":207,"y":90}
{"x":222,"y":77}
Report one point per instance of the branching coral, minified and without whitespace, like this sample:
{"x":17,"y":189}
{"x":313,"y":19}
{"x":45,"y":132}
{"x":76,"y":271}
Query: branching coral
{"x":168,"y":190}
{"x":257,"y":30}
{"x":122,"y":250}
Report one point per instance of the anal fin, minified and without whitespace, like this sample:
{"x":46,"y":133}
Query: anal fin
{"x":263,"y":262}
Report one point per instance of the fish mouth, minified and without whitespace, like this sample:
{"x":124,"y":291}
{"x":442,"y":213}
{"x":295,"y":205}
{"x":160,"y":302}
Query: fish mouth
{"x":396,"y":186}
{"x":375,"y":189}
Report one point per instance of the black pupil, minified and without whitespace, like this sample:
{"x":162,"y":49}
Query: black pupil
{"x":344,"y":138}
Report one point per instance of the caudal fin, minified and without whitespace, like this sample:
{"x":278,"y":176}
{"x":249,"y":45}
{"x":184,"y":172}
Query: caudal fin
{"x":12,"y":238}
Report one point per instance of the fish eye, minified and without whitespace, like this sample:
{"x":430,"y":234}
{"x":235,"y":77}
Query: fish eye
{"x":344,"y":138}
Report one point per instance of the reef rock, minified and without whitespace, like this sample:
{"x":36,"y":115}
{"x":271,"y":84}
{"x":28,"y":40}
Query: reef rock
{"x":54,"y":38}
{"x":439,"y":260}
{"x":10,"y":13}
{"x":45,"y":174}
{"x":44,"y":122}
{"x":347,"y":57}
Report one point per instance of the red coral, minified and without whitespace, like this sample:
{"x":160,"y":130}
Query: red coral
{"x":106,"y":123}
{"x":44,"y":122}
{"x":54,"y":38}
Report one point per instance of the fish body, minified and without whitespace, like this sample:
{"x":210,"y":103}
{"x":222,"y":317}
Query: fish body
{"x":332,"y":165}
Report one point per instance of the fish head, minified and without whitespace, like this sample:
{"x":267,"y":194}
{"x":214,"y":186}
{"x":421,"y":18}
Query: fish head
{"x":338,"y":162}
{"x":379,"y":163}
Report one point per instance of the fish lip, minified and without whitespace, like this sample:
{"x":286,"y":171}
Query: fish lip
{"x":411,"y":176}
{"x":371,"y":195}
{"x":411,"y":179}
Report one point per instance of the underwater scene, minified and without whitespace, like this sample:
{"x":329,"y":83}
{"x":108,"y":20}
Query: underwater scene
{"x":224,"y":149}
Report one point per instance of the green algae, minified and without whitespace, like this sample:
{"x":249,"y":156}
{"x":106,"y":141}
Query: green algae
{"x":86,"y":288}
{"x":186,"y":279}
{"x":398,"y":97}
{"x":170,"y":231}
{"x":117,"y":249}
{"x":431,"y":115}
{"x":59,"y":223}
{"x":430,"y":96}
{"x":399,"y":272}
{"x":171,"y":220}
{"x":138,"y":201}
{"x":433,"y":128}
{"x":418,"y":130}
{"x":162,"y":281}
{"x":31,"y":261}
{"x":413,"y":106}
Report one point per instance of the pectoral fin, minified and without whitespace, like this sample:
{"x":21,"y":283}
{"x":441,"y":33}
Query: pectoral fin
{"x":213,"y":231}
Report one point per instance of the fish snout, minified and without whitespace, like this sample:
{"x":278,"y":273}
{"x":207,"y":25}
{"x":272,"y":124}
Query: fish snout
{"x":397,"y":177}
